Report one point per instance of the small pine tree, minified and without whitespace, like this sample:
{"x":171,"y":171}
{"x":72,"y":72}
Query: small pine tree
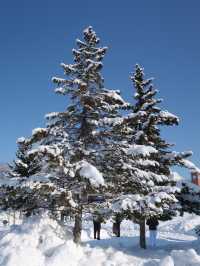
{"x":16,"y":196}
{"x":28,"y":187}
{"x":189,"y":194}
{"x":24,"y":166}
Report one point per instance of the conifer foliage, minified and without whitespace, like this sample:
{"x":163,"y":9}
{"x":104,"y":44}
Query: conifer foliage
{"x":15,"y":194}
{"x":94,"y":147}
{"x":72,"y":145}
{"x":24,"y":166}
{"x":148,"y":188}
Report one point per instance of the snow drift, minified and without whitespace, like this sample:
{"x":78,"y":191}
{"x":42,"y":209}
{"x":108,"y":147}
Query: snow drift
{"x":41,"y":241}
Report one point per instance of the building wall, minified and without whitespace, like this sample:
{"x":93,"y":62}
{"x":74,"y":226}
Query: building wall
{"x":196,"y":178}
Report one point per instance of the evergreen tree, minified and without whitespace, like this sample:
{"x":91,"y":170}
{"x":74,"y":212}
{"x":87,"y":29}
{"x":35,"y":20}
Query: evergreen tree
{"x":145,"y":183}
{"x":189,"y":194}
{"x":189,"y":197}
{"x":16,"y":196}
{"x":23,"y":166}
{"x":93,"y":148}
{"x":73,"y":144}
{"x":28,"y":187}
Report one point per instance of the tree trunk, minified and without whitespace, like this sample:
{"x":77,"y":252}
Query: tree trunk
{"x":142,"y":234}
{"x":77,"y":227}
{"x":114,"y":229}
{"x":118,"y":229}
{"x":14,"y":217}
{"x":62,"y":217}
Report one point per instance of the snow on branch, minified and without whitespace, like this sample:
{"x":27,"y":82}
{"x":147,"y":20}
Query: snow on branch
{"x":38,"y":130}
{"x":191,"y":166}
{"x":143,"y":205}
{"x":60,"y":90}
{"x":179,"y":156}
{"x":167,"y":116}
{"x":141,"y":150}
{"x":91,"y":173}
{"x":21,"y":164}
{"x":115,"y":96}
{"x":21,"y":140}
{"x":52,"y":115}
{"x":148,"y":177}
{"x":113,"y":121}
{"x":58,"y":80}
{"x":89,"y":29}
{"x":52,"y":150}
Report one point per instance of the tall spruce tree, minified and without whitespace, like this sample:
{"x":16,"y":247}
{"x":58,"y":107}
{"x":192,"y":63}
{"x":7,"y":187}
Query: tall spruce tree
{"x":146,"y":184}
{"x":73,"y":144}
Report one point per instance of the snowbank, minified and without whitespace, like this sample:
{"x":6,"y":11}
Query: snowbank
{"x":185,"y":258}
{"x":32,"y":242}
{"x":44,"y":242}
{"x":182,"y":225}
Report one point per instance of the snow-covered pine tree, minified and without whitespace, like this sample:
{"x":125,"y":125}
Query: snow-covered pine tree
{"x":31,"y":186}
{"x":146,"y":184}
{"x":74,"y":142}
{"x":23,"y":166}
{"x":14,"y":190}
{"x":189,"y":195}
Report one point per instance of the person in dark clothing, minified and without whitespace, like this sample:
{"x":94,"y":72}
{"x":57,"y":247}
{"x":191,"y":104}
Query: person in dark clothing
{"x":97,"y":229}
{"x":116,"y":229}
{"x":116,"y":225}
{"x":153,"y":223}
{"x":97,"y":220}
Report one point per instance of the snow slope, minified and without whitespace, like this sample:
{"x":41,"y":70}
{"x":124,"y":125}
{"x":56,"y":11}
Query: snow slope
{"x":43,"y":242}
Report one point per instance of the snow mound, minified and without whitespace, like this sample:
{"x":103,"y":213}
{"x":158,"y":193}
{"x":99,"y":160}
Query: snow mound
{"x":182,"y":225}
{"x":185,"y":257}
{"x":167,"y":261}
{"x":31,"y":242}
{"x":181,"y":258}
{"x":41,"y":241}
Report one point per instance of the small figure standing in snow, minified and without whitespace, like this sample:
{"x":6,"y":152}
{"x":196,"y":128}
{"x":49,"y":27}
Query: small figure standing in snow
{"x":116,"y":224}
{"x":97,"y":220}
{"x":152,"y":222}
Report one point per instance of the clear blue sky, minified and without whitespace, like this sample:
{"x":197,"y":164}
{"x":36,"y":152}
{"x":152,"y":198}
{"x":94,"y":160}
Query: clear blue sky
{"x":35,"y":36}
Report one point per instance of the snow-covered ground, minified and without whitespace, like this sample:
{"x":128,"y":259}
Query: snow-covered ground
{"x":43,"y":242}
